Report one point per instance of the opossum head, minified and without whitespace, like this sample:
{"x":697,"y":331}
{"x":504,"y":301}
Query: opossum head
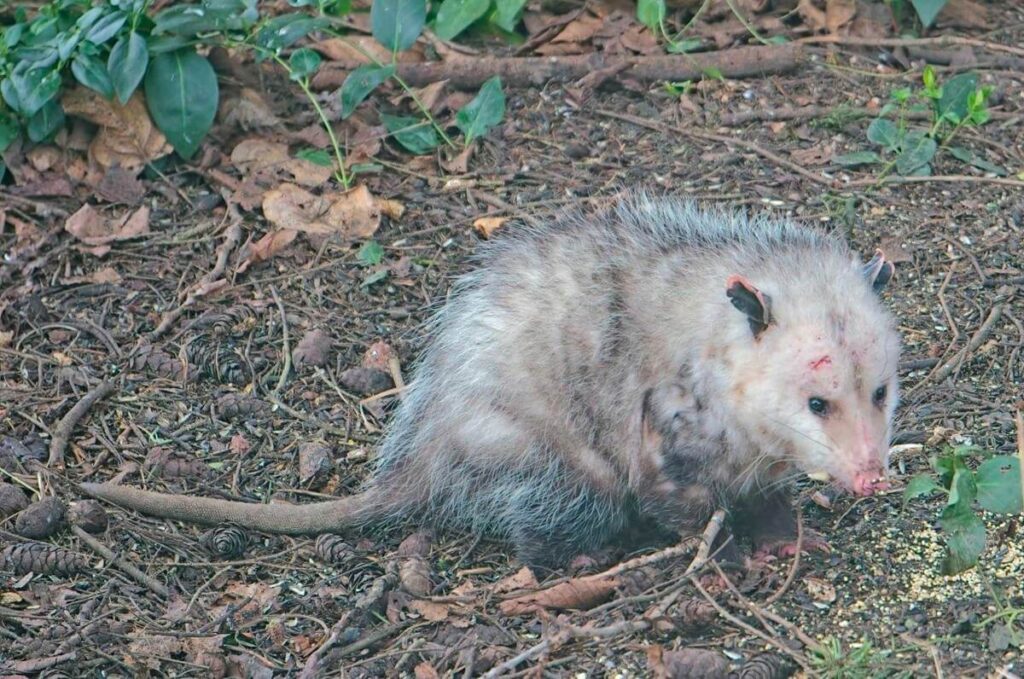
{"x":814,"y":370}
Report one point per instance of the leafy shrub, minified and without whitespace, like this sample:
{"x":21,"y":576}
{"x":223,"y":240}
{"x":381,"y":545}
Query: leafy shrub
{"x":994,"y":486}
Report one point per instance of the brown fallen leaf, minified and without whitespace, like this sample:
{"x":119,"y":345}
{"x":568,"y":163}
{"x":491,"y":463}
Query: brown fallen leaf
{"x":425,"y":671}
{"x":430,"y":610}
{"x":459,"y":164}
{"x":106,"y":275}
{"x":91,"y":227}
{"x":812,"y":15}
{"x":313,"y":348}
{"x":839,"y":13}
{"x":127,"y":136}
{"x":820,"y":590}
{"x":378,"y":355}
{"x":573,"y":594}
{"x":485,"y":226}
{"x":391,"y":208}
{"x":521,"y":579}
{"x":314,"y":459}
{"x":44,"y":157}
{"x":247,"y":111}
{"x":266,"y":247}
{"x":353,"y":214}
{"x":256,"y":153}
{"x":353,"y":51}
{"x":964,"y":14}
{"x":121,"y":186}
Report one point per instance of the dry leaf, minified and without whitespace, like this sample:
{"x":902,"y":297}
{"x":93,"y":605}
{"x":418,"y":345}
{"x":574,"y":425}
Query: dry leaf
{"x":314,"y":459}
{"x":42,"y":158}
{"x":353,"y":51}
{"x":485,"y":226}
{"x":820,"y":590}
{"x":149,"y":652}
{"x":521,"y":579}
{"x":354,"y":214}
{"x":894,"y":250}
{"x":308,"y":173}
{"x":313,"y":348}
{"x":91,"y":227}
{"x":425,"y":671}
{"x":430,"y":610}
{"x":119,"y":185}
{"x":819,"y":154}
{"x":459,"y":164}
{"x":247,"y":111}
{"x":378,"y":356}
{"x":839,"y":13}
{"x":106,"y":275}
{"x":257,"y":154}
{"x":964,"y":14}
{"x":266,"y":247}
{"x":577,"y":594}
{"x":127,"y":137}
{"x":812,"y":16}
{"x":391,"y":208}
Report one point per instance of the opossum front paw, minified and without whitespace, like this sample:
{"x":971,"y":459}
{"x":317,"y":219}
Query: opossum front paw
{"x":812,"y":542}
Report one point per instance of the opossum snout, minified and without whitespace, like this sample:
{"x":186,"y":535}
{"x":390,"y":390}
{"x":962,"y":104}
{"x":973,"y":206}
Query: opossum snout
{"x":870,"y":482}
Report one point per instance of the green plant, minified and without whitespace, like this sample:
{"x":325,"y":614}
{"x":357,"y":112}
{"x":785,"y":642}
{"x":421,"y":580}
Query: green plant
{"x":860,"y":661}
{"x":994,"y":486}
{"x":116,"y":47}
{"x":910,"y":151}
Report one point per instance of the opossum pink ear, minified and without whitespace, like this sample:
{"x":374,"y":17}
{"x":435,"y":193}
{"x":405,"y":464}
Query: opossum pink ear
{"x":756,"y":305}
{"x":878,"y":271}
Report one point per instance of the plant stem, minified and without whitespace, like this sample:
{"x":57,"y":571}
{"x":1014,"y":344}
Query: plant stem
{"x":303,"y":82}
{"x":422,"y":107}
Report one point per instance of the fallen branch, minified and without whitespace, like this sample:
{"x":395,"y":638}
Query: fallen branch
{"x":33,"y":665}
{"x":62,"y":432}
{"x":1004,"y":294}
{"x":140,"y":577}
{"x":590,"y":590}
{"x":467,"y":73}
{"x":910,"y":42}
{"x":721,"y":139}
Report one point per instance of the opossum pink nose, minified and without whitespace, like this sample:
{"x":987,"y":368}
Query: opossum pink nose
{"x":869,"y":482}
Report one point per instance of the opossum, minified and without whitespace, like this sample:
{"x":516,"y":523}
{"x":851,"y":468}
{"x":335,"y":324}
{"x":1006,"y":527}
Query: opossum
{"x":634,"y":366}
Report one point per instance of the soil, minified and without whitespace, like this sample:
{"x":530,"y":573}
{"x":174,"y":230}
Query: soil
{"x":267,"y":608}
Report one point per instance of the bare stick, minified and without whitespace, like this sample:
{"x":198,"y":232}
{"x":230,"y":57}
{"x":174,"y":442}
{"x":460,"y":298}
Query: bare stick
{"x":910,"y":42}
{"x":983,"y":333}
{"x":62,"y":432}
{"x":286,"y":349}
{"x":1019,"y":420}
{"x":471,"y":72}
{"x":721,"y":139}
{"x":796,"y":560}
{"x":101,"y":549}
{"x":939,"y":178}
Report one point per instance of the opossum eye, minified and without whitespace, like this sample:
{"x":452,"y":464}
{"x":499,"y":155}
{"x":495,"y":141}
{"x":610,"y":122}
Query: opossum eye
{"x":879,"y":396}
{"x":818,"y":406}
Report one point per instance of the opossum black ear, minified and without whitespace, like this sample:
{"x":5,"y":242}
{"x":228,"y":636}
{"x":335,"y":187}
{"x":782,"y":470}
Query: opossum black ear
{"x":757,"y":306}
{"x":878,"y":271}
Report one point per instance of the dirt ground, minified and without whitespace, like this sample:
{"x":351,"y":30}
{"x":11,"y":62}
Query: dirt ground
{"x":227,"y":430}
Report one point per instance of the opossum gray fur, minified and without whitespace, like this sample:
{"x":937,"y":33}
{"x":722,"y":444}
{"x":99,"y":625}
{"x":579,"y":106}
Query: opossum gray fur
{"x":647,"y":363}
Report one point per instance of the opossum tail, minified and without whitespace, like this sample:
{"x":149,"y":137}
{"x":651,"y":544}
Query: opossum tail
{"x":308,"y":519}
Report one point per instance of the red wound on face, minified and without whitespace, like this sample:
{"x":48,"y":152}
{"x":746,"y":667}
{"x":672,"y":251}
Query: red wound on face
{"x":820,"y":363}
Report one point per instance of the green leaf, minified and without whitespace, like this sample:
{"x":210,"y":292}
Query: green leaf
{"x":965,"y":538}
{"x":9,"y":131}
{"x":884,"y":133}
{"x":212,"y":15}
{"x":963,"y":489}
{"x":922,"y":484}
{"x":397,"y":23}
{"x":35,"y":89}
{"x":507,"y":14}
{"x":303,"y":63}
{"x":45,"y":122}
{"x":415,"y":135}
{"x":10,"y":94}
{"x":316,"y":156}
{"x":901,"y":94}
{"x":927,"y":10}
{"x":683,"y":46}
{"x":127,"y":64}
{"x":968,"y":156}
{"x":918,"y":149}
{"x":106,"y":27}
{"x":91,"y":72}
{"x":66,"y":44}
{"x":287,"y":29}
{"x":484,"y":112}
{"x":375,"y":277}
{"x":371,"y":253}
{"x":956,"y":94}
{"x":181,"y":93}
{"x":998,"y":480}
{"x":651,"y":13}
{"x":455,"y":16}
{"x":159,"y":44}
{"x":360,"y":83}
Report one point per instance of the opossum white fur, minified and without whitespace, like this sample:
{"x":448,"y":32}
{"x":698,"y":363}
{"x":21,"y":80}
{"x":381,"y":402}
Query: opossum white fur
{"x":594,"y":375}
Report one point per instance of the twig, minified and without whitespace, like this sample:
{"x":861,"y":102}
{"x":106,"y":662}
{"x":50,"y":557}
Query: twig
{"x":909,"y":42}
{"x":286,"y":349}
{"x":471,"y":72}
{"x":1005,"y":294}
{"x":941,"y":178}
{"x":515,"y":661}
{"x":206,"y":284}
{"x":1019,"y":420}
{"x":799,"y":658}
{"x":796,"y":560}
{"x":33,"y":665}
{"x":810,"y":112}
{"x":721,"y":139}
{"x":62,"y":432}
{"x":101,"y":549}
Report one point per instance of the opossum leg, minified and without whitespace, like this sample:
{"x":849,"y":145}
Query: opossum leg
{"x":769,"y":521}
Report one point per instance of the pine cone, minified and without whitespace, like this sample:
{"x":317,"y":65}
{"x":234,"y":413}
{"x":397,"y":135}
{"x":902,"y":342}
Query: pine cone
{"x":766,"y":666}
{"x":41,"y":520}
{"x":12,"y":500}
{"x":226,"y":542}
{"x":333,"y":549}
{"x":35,"y":557}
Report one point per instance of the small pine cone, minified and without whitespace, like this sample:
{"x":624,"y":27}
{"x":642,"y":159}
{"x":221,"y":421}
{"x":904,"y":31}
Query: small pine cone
{"x":12,"y":500}
{"x":226,"y":542}
{"x":413,"y":569}
{"x":332,"y":548}
{"x":693,"y":612}
{"x":234,"y":405}
{"x":34,"y":557}
{"x":766,"y":666}
{"x":89,"y":515}
{"x":183,"y":468}
{"x":41,"y":520}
